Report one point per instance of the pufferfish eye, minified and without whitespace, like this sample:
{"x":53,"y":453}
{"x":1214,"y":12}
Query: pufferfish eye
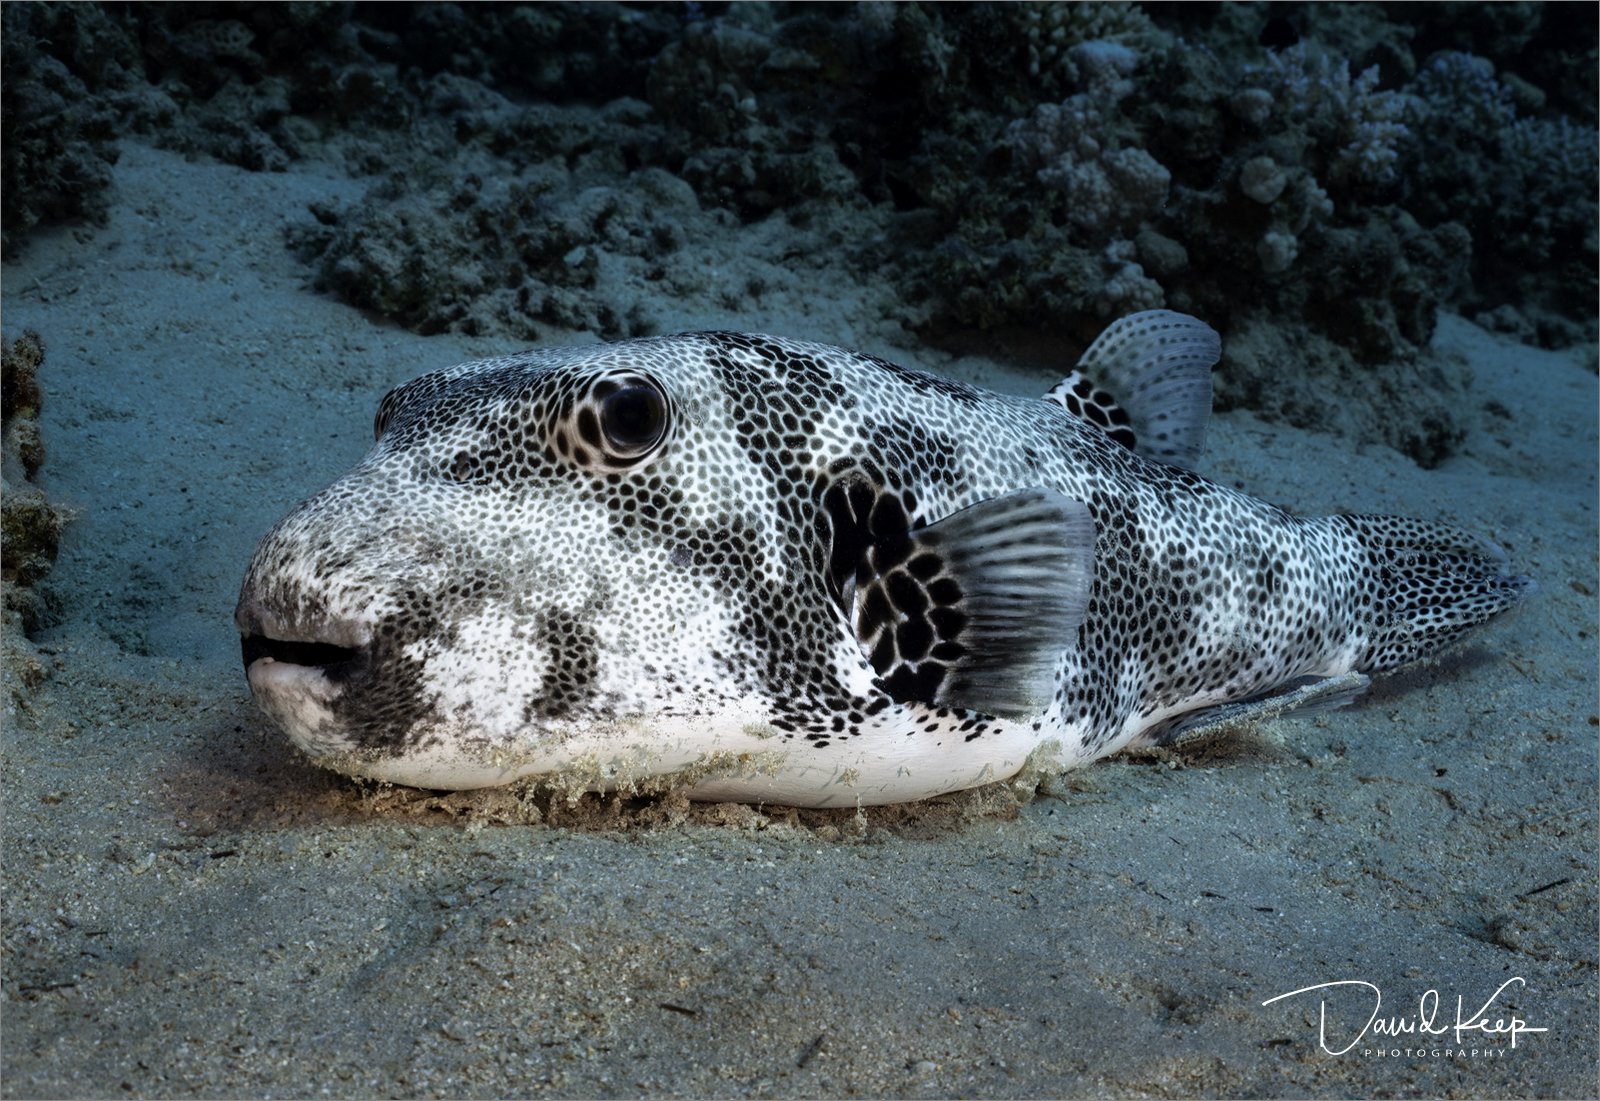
{"x":619,"y":423}
{"x":633,"y":418}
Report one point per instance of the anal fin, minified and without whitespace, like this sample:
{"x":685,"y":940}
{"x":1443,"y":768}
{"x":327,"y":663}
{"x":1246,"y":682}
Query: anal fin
{"x":1307,"y":696}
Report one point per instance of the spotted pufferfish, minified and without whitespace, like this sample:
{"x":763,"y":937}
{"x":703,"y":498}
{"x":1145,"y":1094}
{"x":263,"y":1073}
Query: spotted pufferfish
{"x":770,"y":570}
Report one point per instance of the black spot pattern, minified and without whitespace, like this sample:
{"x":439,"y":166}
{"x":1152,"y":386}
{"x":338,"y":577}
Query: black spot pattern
{"x":891,"y":581}
{"x":569,"y":683}
{"x":925,"y":382}
{"x":1084,"y":400}
{"x":775,"y":397}
{"x":1427,"y":584}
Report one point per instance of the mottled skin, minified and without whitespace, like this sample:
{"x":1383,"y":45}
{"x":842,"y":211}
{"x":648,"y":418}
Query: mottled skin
{"x":510,"y":584}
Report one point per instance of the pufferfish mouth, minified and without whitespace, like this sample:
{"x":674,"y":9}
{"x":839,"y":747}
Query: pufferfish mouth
{"x":339,"y":651}
{"x":335,"y":662}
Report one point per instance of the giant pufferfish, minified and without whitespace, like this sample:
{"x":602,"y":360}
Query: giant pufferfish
{"x":776,"y":571}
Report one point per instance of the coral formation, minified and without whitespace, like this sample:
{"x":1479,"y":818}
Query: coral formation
{"x":1107,"y":187}
{"x":1526,"y":185}
{"x":477,"y":253}
{"x":1352,"y":128}
{"x":30,"y":526}
{"x":55,"y":161}
{"x":1053,"y":30}
{"x":1339,"y":172}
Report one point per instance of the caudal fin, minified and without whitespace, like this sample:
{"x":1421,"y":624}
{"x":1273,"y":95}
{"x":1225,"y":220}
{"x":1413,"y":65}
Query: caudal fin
{"x":1434,"y":583}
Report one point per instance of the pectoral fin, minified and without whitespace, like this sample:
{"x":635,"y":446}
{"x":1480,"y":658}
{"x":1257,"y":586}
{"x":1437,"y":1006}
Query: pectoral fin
{"x":973,"y":611}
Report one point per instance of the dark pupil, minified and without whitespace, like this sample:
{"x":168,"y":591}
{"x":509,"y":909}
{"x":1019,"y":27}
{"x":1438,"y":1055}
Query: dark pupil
{"x":632,"y":417}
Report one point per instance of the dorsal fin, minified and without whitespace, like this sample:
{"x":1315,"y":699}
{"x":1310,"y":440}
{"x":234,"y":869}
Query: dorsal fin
{"x":973,"y":611}
{"x":1146,"y":382}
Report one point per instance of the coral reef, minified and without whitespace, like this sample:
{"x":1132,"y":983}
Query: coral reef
{"x":1337,"y":172}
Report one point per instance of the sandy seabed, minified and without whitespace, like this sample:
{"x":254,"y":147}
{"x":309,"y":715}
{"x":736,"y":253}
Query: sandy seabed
{"x":192,"y":910}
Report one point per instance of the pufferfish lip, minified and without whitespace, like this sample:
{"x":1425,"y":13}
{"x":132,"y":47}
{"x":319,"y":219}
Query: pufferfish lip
{"x":337,"y":650}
